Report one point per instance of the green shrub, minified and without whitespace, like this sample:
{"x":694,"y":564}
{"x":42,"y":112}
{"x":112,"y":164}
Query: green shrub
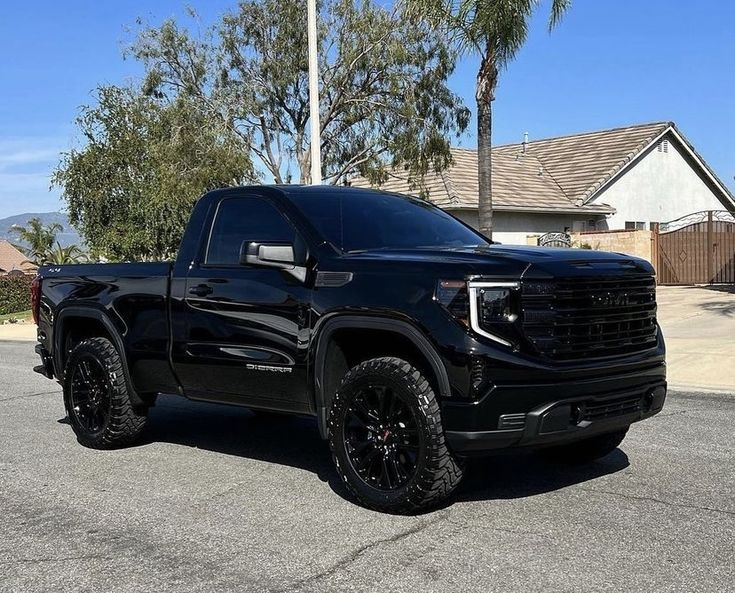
{"x":15,"y":293}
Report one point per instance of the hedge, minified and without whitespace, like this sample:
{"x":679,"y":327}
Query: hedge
{"x":15,"y":293}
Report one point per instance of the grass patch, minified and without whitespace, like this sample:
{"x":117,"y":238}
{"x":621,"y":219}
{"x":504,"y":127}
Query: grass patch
{"x":18,"y":316}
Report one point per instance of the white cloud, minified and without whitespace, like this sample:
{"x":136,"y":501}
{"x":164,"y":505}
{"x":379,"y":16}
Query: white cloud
{"x":26,"y":165}
{"x":27,"y":157}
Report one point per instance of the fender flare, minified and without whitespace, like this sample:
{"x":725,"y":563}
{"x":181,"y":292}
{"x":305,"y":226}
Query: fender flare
{"x":113,"y":333}
{"x":378,"y":323}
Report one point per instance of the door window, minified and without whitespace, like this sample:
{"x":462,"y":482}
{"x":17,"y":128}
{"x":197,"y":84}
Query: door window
{"x":245,"y":219}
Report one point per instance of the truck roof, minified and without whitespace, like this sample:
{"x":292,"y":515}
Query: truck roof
{"x":305,"y":190}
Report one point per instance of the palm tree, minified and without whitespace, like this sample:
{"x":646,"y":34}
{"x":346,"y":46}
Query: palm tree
{"x":494,"y":30}
{"x":38,"y":237}
{"x":65,"y":255}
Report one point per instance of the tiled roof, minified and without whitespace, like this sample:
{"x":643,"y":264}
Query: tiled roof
{"x":12,"y":259}
{"x":552,"y":175}
{"x":582,"y":163}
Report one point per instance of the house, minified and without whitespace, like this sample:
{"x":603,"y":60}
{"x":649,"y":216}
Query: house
{"x":620,"y":178}
{"x":13,"y":261}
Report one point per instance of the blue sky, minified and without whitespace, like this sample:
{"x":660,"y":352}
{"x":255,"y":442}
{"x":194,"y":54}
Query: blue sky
{"x":609,"y":63}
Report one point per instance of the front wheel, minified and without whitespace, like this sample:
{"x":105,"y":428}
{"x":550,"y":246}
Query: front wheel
{"x":588,"y":449}
{"x":97,"y":398}
{"x":387,"y":440}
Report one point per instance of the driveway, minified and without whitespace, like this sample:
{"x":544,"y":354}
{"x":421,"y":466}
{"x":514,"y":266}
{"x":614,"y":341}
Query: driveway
{"x":699,"y":326}
{"x":217,"y":499}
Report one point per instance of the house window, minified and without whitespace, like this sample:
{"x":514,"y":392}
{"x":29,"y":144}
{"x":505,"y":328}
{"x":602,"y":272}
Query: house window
{"x":635,"y":225}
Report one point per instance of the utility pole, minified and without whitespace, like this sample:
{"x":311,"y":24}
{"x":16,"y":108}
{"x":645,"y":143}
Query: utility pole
{"x":316,"y":156}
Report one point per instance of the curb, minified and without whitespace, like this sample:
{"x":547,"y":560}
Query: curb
{"x":683,"y":387}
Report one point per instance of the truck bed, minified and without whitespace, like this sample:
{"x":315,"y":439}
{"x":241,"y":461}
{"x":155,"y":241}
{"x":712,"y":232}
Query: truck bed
{"x":133,"y":297}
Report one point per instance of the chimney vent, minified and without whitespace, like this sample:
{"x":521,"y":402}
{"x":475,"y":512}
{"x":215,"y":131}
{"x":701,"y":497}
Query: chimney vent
{"x":525,"y":142}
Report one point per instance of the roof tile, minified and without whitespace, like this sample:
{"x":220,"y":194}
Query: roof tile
{"x":553,"y":174}
{"x":12,"y":259}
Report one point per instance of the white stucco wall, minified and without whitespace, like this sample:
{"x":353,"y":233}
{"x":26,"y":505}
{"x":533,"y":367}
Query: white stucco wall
{"x":511,"y":228}
{"x":660,"y":187}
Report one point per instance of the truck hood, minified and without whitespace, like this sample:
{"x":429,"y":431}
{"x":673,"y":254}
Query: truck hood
{"x":511,"y":261}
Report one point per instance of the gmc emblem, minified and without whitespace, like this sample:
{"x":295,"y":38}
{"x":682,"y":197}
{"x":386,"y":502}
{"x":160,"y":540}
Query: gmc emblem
{"x":620,"y":299}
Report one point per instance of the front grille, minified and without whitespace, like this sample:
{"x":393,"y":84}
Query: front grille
{"x":610,"y":409}
{"x":577,"y":318}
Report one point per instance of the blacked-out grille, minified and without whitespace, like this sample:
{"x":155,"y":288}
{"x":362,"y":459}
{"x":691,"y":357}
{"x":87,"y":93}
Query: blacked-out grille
{"x":577,"y":318}
{"x":610,"y":409}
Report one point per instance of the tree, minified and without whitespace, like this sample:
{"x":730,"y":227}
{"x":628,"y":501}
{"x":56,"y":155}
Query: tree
{"x":38,"y":239}
{"x":70,"y":254}
{"x":131,"y":188}
{"x":494,"y":30}
{"x":384,"y":95}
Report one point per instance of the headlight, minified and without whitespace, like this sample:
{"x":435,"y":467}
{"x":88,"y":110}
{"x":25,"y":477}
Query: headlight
{"x":489,"y":308}
{"x":494,"y":304}
{"x":493,"y":309}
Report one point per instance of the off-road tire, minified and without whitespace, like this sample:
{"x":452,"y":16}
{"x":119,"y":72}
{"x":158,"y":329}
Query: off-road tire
{"x":437,"y":472}
{"x":124,"y":422}
{"x":587,"y":450}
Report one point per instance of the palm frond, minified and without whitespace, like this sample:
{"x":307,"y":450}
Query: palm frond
{"x":558,"y":8}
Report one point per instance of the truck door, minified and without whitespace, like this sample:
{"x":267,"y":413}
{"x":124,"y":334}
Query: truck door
{"x":240,"y":332}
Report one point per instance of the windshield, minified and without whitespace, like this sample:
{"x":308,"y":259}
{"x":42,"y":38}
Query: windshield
{"x":363,"y":221}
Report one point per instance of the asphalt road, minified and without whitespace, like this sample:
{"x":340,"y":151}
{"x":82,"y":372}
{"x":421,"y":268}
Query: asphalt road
{"x":217,"y":499}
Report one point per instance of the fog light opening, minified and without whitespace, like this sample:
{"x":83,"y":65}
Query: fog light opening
{"x":648,"y":401}
{"x":577,"y":414}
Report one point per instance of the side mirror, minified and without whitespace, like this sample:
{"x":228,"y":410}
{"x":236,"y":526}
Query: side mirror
{"x":272,"y":255}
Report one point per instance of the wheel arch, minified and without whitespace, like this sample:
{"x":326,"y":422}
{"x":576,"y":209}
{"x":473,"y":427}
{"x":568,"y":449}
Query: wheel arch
{"x":88,"y":322}
{"x":329,"y":354}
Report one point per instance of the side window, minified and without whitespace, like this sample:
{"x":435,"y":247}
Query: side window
{"x":245,"y":219}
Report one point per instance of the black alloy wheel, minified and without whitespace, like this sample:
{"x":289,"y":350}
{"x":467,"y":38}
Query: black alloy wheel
{"x":98,"y":400}
{"x":387,"y":441}
{"x":382,"y":438}
{"x":90,"y":395}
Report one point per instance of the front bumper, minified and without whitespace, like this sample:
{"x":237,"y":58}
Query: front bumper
{"x":550,"y":414}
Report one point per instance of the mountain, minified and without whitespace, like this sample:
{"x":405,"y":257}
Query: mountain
{"x":67,"y":237}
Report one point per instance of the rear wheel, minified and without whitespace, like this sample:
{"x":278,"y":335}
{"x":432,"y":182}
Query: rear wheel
{"x":586,"y":450}
{"x":97,"y":399}
{"x":387,"y":440}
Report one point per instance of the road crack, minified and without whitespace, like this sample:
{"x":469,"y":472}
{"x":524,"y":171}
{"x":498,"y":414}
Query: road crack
{"x":660,"y":501}
{"x":27,"y":395}
{"x":61,"y":559}
{"x":463,"y":525}
{"x":354,"y":556}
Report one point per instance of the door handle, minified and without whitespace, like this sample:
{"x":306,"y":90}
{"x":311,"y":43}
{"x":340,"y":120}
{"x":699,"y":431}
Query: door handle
{"x":201,"y":290}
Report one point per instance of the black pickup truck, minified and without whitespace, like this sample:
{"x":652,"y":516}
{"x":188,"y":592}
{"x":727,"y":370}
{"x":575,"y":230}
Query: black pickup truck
{"x":413,"y":340}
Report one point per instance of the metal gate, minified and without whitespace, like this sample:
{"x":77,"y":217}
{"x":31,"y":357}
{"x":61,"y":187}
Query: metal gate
{"x":696,"y":249}
{"x":555,"y":240}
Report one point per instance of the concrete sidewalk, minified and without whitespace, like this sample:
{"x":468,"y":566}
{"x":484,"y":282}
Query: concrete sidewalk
{"x":18,"y":331}
{"x":698,"y":323}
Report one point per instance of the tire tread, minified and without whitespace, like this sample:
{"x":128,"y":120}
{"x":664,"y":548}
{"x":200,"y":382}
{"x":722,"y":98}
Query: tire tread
{"x":441,"y":474}
{"x":126,"y":422}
